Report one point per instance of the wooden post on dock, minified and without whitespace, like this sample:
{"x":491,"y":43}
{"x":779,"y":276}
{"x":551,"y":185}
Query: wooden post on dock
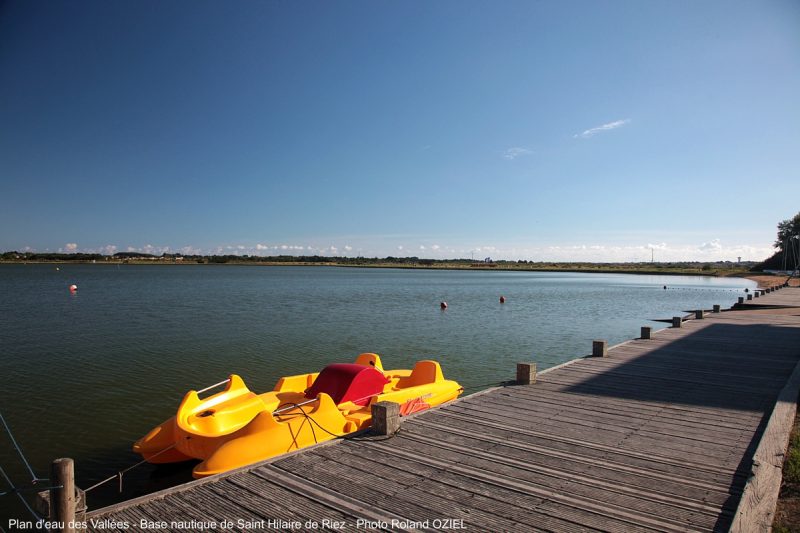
{"x":741,"y":299}
{"x":756,"y":294}
{"x":385,"y":418}
{"x":677,"y":321}
{"x":647,"y":332}
{"x":716,"y":308}
{"x":526,"y":373}
{"x":699,"y":314}
{"x":599,"y":348}
{"x":62,"y":495}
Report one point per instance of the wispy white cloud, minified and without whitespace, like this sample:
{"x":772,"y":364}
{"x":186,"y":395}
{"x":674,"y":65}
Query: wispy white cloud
{"x":713,"y":246}
{"x":605,"y":127}
{"x":699,"y":249}
{"x":515,"y":152}
{"x":71,"y":246}
{"x":191,"y":250}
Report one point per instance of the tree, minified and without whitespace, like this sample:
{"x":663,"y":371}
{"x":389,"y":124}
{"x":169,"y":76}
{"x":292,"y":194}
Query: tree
{"x":784,"y":258}
{"x":787,"y":229}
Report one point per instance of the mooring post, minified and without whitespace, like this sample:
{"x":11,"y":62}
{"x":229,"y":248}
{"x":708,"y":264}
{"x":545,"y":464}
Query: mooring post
{"x":749,"y":297}
{"x":699,"y":313}
{"x":385,"y":418}
{"x":677,"y":321}
{"x":716,"y":308}
{"x":756,"y":294}
{"x":741,"y":299}
{"x":599,"y":348}
{"x":526,"y":373}
{"x":647,"y":332}
{"x":62,"y":495}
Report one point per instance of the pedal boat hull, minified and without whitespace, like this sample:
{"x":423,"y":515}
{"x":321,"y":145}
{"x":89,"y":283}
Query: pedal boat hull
{"x":237,"y":427}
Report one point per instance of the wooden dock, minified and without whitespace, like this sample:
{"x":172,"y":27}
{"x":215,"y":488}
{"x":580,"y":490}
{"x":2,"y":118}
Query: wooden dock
{"x":659,"y":435}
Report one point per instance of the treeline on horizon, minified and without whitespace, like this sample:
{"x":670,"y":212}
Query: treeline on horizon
{"x":364,"y":261}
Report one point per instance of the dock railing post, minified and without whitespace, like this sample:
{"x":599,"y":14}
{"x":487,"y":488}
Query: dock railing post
{"x":717,"y":308}
{"x":647,"y":332}
{"x":699,"y":314}
{"x":677,"y":321}
{"x":526,"y":373}
{"x":749,"y":297}
{"x":599,"y":348}
{"x":62,"y":495}
{"x":385,"y":418}
{"x":741,"y":299}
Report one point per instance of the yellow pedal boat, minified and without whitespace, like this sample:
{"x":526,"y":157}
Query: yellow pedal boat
{"x":237,"y":427}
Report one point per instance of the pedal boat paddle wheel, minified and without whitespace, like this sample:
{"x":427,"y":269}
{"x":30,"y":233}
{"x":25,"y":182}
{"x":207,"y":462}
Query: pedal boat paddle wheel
{"x":237,"y":427}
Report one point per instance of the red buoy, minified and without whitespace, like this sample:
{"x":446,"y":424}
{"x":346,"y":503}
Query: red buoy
{"x":502,"y":299}
{"x":443,"y":305}
{"x":73,"y":288}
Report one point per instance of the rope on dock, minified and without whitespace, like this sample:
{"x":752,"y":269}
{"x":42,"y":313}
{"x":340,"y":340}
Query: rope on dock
{"x":16,"y":491}
{"x":34,"y":478}
{"x":120,"y":473}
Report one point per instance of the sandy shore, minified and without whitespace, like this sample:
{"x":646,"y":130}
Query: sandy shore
{"x":769,"y":280}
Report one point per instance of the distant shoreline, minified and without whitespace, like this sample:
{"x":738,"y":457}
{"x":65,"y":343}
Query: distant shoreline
{"x":645,"y":269}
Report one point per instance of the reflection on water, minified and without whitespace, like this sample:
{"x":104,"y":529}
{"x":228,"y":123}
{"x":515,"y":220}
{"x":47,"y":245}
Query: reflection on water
{"x":86,"y":373}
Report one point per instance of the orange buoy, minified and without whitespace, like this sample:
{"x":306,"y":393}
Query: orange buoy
{"x":502,"y":299}
{"x":73,"y":288}
{"x":443,"y":305}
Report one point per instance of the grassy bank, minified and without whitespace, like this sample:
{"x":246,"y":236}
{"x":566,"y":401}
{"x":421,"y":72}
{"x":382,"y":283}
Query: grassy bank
{"x":673,"y":268}
{"x":787,"y":513}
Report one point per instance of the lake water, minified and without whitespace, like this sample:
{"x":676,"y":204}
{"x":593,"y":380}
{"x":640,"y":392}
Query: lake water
{"x":86,"y":374}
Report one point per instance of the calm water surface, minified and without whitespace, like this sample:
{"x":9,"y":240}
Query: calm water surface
{"x":86,"y":374}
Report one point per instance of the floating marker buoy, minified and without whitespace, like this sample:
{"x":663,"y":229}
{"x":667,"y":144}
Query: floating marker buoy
{"x":443,"y":305}
{"x":502,"y":299}
{"x":665,"y":287}
{"x":73,"y":288}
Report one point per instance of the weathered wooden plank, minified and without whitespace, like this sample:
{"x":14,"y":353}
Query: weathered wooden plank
{"x":331,"y":499}
{"x":619,"y":463}
{"x":624,"y":419}
{"x":408,"y":495}
{"x":654,"y":391}
{"x":511,"y":478}
{"x":679,"y":412}
{"x":678,"y":419}
{"x":757,"y":505}
{"x":636,"y":489}
{"x":655,"y":457}
{"x":599,"y":433}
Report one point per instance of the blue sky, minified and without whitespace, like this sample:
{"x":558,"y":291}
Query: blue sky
{"x":591,"y":131}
